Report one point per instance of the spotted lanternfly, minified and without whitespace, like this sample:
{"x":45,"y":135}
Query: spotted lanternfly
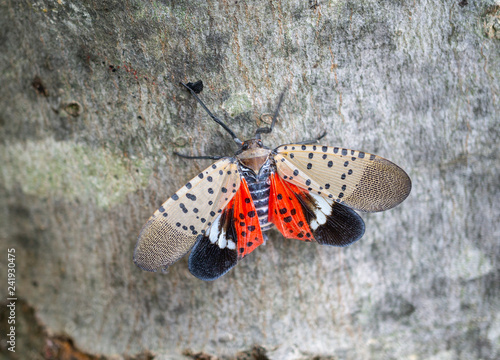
{"x":308,"y":192}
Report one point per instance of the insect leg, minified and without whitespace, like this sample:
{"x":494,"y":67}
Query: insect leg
{"x":305,"y":142}
{"x":267,"y":130}
{"x":199,"y":157}
{"x":214,"y":118}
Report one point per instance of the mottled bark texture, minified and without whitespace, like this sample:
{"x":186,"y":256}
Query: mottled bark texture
{"x":91,"y":113}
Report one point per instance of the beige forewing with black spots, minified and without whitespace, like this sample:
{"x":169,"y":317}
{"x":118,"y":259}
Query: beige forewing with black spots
{"x":357,"y":179}
{"x":172,"y":230}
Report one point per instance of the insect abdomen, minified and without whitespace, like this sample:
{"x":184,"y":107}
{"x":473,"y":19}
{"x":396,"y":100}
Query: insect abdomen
{"x":259,"y":191}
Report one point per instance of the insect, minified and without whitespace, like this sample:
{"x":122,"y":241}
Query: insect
{"x":307,"y":191}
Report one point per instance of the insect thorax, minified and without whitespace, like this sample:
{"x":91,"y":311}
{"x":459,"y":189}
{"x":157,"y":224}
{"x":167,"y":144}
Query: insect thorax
{"x":253,"y":154}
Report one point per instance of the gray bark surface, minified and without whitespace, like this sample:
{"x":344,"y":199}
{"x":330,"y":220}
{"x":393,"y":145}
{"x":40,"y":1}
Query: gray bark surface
{"x":91,"y":112}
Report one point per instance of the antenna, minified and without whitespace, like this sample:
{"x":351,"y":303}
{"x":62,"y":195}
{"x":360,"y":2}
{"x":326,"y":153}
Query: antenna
{"x":214,"y":118}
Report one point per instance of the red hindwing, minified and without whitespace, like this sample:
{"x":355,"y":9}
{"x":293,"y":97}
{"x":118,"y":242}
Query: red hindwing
{"x":246,"y":221}
{"x":285,"y":210}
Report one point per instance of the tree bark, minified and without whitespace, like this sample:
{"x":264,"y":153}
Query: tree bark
{"x":91,"y":112}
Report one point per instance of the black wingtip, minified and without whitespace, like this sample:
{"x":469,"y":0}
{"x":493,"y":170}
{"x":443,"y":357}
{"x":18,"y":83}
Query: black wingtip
{"x":209,"y":262}
{"x":342,"y":228}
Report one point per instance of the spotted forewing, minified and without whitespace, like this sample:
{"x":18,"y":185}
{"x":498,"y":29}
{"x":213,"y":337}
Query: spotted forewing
{"x":173,"y":229}
{"x":353,"y":178}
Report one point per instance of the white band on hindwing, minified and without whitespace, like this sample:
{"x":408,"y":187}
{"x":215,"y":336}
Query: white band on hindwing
{"x":323,"y":209}
{"x":219,"y":236}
